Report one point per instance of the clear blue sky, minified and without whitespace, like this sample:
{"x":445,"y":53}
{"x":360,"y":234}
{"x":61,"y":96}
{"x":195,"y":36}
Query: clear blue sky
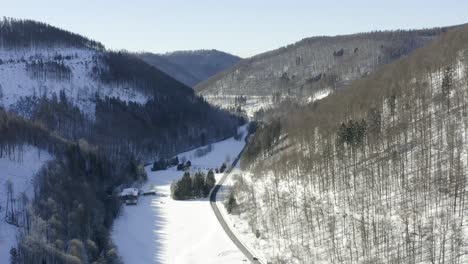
{"x":242,"y":27}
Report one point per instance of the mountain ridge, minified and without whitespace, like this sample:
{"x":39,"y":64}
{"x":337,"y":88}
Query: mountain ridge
{"x":191,"y":66}
{"x":310,"y":66}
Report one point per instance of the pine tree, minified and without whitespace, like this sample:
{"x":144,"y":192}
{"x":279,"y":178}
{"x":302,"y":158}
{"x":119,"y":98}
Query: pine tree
{"x":13,"y":256}
{"x":232,"y":204}
{"x":447,"y":83}
{"x":198,"y":184}
{"x":222,"y":168}
{"x":185,"y":186}
{"x":210,"y":182}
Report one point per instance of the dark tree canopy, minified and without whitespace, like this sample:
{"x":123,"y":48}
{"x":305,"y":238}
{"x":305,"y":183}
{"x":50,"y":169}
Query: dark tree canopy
{"x":16,"y":33}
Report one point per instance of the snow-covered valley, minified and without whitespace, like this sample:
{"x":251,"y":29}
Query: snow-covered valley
{"x":162,"y":230}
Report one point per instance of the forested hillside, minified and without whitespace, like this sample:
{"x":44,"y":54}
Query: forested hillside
{"x":375,"y":173}
{"x":175,"y":71}
{"x":191,"y":67}
{"x":67,"y":216}
{"x":99,"y":115}
{"x":309,"y":69}
{"x":115,"y":100}
{"x":16,"y":34}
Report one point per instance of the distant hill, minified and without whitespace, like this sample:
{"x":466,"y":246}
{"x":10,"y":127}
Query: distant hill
{"x":191,"y":67}
{"x":310,"y":68}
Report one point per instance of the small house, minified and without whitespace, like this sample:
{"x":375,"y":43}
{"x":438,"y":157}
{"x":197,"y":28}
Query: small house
{"x":129,"y":196}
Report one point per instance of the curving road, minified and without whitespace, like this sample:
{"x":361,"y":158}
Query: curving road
{"x":221,"y":219}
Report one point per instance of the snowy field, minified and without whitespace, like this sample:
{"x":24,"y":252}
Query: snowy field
{"x":20,"y":170}
{"x":162,"y":230}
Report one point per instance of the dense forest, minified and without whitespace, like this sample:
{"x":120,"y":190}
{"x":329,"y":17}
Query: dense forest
{"x":67,"y":94}
{"x":127,"y":129}
{"x":17,"y":34}
{"x":73,"y":204}
{"x":122,"y":67}
{"x":375,"y":173}
{"x":163,"y":127}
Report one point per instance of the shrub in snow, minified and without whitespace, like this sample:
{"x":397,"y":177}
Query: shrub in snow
{"x":180,"y":167}
{"x":232,"y":206}
{"x":161,"y":164}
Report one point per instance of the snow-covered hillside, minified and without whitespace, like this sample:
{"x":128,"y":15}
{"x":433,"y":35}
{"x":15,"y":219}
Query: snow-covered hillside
{"x":375,"y":173}
{"x":162,"y":230}
{"x":45,"y":71}
{"x":251,"y":105}
{"x":254,"y":103}
{"x":301,"y":69}
{"x":19,"y":169}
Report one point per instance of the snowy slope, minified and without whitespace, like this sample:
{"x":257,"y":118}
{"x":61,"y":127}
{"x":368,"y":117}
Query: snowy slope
{"x":20,"y":170}
{"x":240,"y":227}
{"x":255,"y":103}
{"x":81,"y":88}
{"x":162,"y":230}
{"x":226,"y":150}
{"x":251,"y":106}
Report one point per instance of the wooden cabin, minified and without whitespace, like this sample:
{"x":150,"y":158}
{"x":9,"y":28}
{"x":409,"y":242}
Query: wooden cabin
{"x":129,"y":196}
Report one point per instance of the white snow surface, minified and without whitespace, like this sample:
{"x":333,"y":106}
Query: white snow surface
{"x":129,"y":191}
{"x":161,"y":230}
{"x":253,"y":103}
{"x":15,"y":82}
{"x":319,"y":95}
{"x":223,"y":151}
{"x":20,"y":170}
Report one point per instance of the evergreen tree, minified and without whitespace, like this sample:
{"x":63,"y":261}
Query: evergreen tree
{"x":232,"y":204}
{"x":13,"y":256}
{"x":198,"y":184}
{"x":185,"y":186}
{"x":175,"y":191}
{"x":222,"y":168}
{"x":210,"y":182}
{"x":447,"y":84}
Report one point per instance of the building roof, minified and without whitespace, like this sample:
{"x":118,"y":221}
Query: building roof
{"x":129,"y":191}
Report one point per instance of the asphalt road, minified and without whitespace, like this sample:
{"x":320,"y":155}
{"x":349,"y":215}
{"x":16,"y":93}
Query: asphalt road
{"x":221,"y":219}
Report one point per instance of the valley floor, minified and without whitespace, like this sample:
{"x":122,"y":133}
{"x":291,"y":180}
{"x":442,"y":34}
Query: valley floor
{"x":162,"y":230}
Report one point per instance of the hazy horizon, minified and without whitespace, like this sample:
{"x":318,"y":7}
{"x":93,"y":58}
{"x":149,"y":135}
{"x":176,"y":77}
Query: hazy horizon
{"x":237,"y":27}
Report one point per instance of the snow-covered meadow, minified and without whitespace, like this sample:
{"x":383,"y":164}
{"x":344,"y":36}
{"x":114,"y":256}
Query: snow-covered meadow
{"x":162,"y":230}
